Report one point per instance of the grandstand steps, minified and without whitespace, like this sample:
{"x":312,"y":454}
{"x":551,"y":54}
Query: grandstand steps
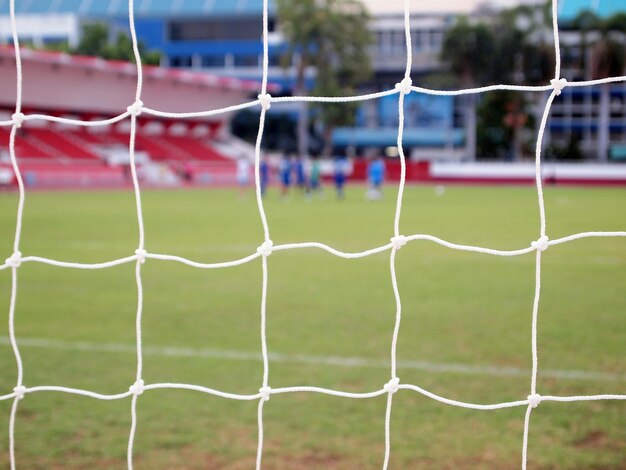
{"x":68,"y":145}
{"x":197,"y":149}
{"x":29,"y":146}
{"x":160,"y":149}
{"x":64,"y":146}
{"x":234,"y":148}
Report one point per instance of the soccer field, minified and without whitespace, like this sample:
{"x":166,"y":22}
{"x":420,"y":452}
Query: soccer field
{"x":465,"y":333}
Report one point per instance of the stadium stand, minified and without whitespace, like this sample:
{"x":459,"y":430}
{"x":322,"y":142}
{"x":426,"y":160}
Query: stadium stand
{"x":28,"y":148}
{"x":64,"y":154}
{"x":62,"y":145}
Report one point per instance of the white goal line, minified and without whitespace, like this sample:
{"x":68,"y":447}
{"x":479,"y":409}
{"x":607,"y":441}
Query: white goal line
{"x":338,"y":361}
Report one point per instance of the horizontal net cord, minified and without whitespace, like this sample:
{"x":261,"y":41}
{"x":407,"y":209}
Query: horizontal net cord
{"x":69,"y":121}
{"x":212,"y":112}
{"x":541,"y":245}
{"x":22,"y":392}
{"x":598,"y":81}
{"x":314,"y":99}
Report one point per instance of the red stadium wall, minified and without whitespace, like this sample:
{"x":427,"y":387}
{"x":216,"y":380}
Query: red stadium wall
{"x":415,"y":171}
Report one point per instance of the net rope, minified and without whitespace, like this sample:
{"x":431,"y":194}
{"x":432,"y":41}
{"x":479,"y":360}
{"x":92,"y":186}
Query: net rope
{"x":266,"y":248}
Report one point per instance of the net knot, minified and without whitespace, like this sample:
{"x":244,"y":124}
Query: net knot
{"x":135,"y":108}
{"x":265,"y":99}
{"x":20,"y":391}
{"x":392,"y":386}
{"x":399,"y":241}
{"x":558,"y":85}
{"x":404,"y":86}
{"x":265,"y":393}
{"x":266,"y":248}
{"x":15,"y":260}
{"x":534,"y":400}
{"x":137,"y":388}
{"x":541,"y":244}
{"x":18,"y":119}
{"x":141,"y":255}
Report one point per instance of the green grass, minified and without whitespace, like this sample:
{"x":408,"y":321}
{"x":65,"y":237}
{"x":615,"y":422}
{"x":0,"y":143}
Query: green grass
{"x":458,"y":307}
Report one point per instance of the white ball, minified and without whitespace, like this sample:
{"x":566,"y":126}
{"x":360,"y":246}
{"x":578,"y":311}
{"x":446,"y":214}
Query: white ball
{"x":440,"y":190}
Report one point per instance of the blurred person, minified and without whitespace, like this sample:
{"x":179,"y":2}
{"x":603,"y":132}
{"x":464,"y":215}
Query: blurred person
{"x":264,"y":174}
{"x":243,"y":174}
{"x":340,"y":172}
{"x":284,"y":171}
{"x":299,"y":169}
{"x":375,"y":178}
{"x":315,"y":176}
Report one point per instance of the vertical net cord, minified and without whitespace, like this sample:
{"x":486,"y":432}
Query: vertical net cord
{"x":267,"y":242}
{"x":394,"y":381}
{"x":135,"y":110}
{"x":534,"y":397}
{"x":18,"y":234}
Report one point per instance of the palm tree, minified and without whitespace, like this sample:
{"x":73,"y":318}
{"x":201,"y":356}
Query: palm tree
{"x":468,"y":50}
{"x":607,"y":60}
{"x":603,"y":58}
{"x":538,"y":56}
{"x":332,"y":36}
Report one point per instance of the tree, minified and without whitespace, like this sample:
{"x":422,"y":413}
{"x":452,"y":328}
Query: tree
{"x":603,"y":55}
{"x":607,"y":60}
{"x":468,"y":50}
{"x":332,"y":37}
{"x":534,"y":60}
{"x":511,"y":48}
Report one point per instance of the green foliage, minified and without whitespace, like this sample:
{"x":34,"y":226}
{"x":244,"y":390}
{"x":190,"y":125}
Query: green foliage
{"x":493,"y":139}
{"x":617,"y":22}
{"x":569,"y":152}
{"x":511,"y":48}
{"x":96,"y":41}
{"x":608,"y":52}
{"x":538,"y":62}
{"x":468,"y":50}
{"x":279,"y":131}
{"x":502,"y":117}
{"x":585,"y":21}
{"x":333,"y":37}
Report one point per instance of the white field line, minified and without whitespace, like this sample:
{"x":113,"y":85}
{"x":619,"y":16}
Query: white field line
{"x":229,"y":354}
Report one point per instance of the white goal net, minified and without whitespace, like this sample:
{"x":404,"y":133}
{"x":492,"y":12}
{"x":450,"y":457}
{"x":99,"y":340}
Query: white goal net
{"x":398,"y":239}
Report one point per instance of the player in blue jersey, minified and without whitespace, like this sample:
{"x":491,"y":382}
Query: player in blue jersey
{"x":298,"y":165}
{"x":375,"y":179}
{"x":341,"y":174}
{"x":315,"y":176}
{"x":284,"y":171}
{"x":264,"y":174}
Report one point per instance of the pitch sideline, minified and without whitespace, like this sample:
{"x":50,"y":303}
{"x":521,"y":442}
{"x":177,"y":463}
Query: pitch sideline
{"x":227,"y":354}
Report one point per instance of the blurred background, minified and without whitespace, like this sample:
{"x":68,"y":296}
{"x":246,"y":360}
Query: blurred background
{"x":209,"y":55}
